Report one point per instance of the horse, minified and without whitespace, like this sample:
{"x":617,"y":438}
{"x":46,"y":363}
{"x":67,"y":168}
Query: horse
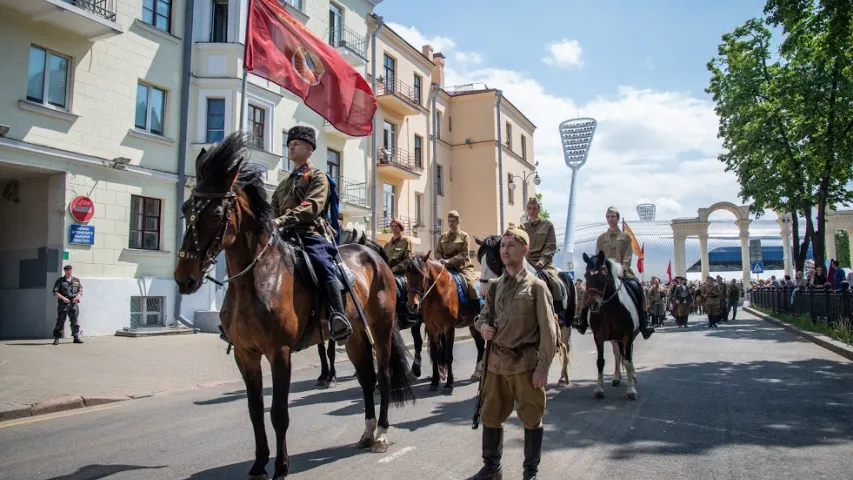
{"x":272,"y":308}
{"x":489,"y":256}
{"x":439,"y":298}
{"x":613,"y":316}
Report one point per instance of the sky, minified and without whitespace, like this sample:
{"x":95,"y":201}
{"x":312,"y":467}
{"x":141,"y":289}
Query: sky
{"x":638,"y":68}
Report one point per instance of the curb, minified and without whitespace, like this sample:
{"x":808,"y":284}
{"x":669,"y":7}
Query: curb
{"x":830,"y":344}
{"x":73,"y":402}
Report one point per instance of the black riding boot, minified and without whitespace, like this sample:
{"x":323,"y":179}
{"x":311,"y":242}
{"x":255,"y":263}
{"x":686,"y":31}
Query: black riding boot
{"x":532,"y":452}
{"x":493,"y":445}
{"x":646,"y":329}
{"x":583,"y":322}
{"x":340,"y":328}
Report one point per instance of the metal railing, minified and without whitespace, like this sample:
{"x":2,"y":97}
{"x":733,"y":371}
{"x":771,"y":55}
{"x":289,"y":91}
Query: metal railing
{"x":400,"y":158}
{"x":409,"y":224}
{"x":466,"y":88}
{"x":820,"y":305}
{"x":353,"y":192}
{"x":398,"y":88}
{"x":343,"y":37}
{"x":103,"y":8}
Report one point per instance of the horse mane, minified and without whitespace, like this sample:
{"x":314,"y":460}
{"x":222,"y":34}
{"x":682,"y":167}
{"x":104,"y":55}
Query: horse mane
{"x":615,"y":270}
{"x":492,"y":241}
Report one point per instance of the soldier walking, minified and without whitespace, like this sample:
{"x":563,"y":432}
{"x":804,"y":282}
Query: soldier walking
{"x":67,"y":289}
{"x":519,"y":321}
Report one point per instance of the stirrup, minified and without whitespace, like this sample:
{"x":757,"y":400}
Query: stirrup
{"x":340,"y":335}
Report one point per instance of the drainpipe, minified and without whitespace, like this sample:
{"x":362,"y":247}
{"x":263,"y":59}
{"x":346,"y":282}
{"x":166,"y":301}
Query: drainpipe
{"x":373,"y":221}
{"x":435,"y":231}
{"x":500,"y":163}
{"x":182,"y":143}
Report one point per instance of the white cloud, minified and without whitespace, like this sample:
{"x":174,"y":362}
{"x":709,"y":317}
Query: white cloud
{"x":418,"y":39}
{"x":651,"y":145}
{"x":564,"y":54}
{"x":468,"y":58}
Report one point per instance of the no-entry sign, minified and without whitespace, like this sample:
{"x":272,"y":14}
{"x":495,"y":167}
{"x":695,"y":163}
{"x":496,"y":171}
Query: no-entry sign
{"x":82,"y":208}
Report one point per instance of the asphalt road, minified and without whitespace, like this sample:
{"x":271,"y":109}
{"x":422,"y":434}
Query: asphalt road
{"x":745,"y":401}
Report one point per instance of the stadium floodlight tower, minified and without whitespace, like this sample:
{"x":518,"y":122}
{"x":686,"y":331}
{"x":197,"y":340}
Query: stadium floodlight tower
{"x":646,"y":212}
{"x":576,"y":136}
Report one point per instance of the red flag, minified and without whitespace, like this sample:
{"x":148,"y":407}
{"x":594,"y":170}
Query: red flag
{"x":641,"y":258}
{"x":284,"y":51}
{"x":669,"y":271}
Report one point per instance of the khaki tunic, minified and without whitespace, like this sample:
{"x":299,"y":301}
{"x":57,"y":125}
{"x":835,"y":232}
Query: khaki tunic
{"x":734,"y":294}
{"x":713,"y":298}
{"x":543,"y":246}
{"x":453,"y":247}
{"x":683,"y":299}
{"x":300,"y":199}
{"x":617,"y":246}
{"x":399,"y":254}
{"x":657,"y":300}
{"x":579,"y":304}
{"x":525,"y":343}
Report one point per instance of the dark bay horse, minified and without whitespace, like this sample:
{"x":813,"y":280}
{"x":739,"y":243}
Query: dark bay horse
{"x":613,"y":316}
{"x":268,"y":306}
{"x":433,"y":292}
{"x":491,"y":267}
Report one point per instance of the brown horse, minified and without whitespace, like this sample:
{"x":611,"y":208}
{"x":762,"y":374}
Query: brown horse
{"x":433,"y":293}
{"x":269,"y":306}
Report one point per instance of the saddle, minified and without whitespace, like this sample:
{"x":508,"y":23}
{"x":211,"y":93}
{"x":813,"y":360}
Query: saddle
{"x":462,"y":289}
{"x":635,"y":291}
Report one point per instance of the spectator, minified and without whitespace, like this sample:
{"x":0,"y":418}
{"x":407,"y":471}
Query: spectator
{"x":839,"y":276}
{"x":819,"y":276}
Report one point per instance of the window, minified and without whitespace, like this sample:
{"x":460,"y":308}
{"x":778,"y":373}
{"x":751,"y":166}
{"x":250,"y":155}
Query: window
{"x":219,"y":22}
{"x":333,"y":164}
{"x":150,"y":106}
{"x":297,"y":4}
{"x":144,"y":223}
{"x":387,"y":203}
{"x":419,"y":208}
{"x":389,"y":138}
{"x":417,"y":93}
{"x":509,"y":135}
{"x":438,"y":182}
{"x":419,"y":151}
{"x":215,"y":120}
{"x":257,"y":122}
{"x":336,"y":24}
{"x":157,"y":13}
{"x":390,"y":68}
{"x":510,"y":196}
{"x":286,"y":162}
{"x":146,"y":311}
{"x":47,"y":82}
{"x":524,"y":147}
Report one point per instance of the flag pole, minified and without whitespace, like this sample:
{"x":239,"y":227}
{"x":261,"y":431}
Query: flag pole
{"x":243,"y":102}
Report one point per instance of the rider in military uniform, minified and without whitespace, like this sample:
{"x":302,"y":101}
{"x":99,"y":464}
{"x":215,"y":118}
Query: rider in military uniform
{"x":67,"y":289}
{"x":543,"y":246}
{"x":299,"y":203}
{"x":453,"y":251}
{"x":519,"y":320}
{"x":398,"y":249}
{"x":616,"y":245}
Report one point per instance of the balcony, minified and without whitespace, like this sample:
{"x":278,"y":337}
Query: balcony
{"x":350,"y":45}
{"x":92,"y":19}
{"x":354,"y":196}
{"x":400,"y":164}
{"x":397,"y":97}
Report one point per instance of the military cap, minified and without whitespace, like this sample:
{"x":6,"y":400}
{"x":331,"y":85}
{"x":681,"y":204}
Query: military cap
{"x":612,"y":209}
{"x":67,"y":267}
{"x":300,"y":132}
{"x":534,"y":201}
{"x":520,"y":233}
{"x":452,"y":213}
{"x":397,"y":222}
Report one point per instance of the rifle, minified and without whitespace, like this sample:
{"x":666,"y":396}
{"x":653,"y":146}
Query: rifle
{"x":479,"y":406}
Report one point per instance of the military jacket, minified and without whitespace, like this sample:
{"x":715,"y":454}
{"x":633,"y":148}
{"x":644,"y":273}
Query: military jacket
{"x":734,"y":292}
{"x":399,"y":254}
{"x":454,"y":248}
{"x":543,"y":241}
{"x":713,"y":293}
{"x":300,"y":199}
{"x":67,"y":287}
{"x":657,"y":296}
{"x":521,"y":308}
{"x":617,"y":246}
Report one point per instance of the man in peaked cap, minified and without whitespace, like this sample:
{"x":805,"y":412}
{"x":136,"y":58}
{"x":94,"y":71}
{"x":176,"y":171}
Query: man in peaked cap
{"x":299,"y":202}
{"x":452,"y":251}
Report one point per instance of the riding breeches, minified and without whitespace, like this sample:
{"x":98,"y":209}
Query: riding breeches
{"x":502,"y":392}
{"x":322,"y":255}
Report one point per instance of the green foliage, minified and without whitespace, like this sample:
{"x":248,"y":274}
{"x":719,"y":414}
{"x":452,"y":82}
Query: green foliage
{"x":842,"y":248}
{"x":542,"y":212}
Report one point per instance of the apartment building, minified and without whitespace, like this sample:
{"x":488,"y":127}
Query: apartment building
{"x":90,"y":146}
{"x":442,"y":148}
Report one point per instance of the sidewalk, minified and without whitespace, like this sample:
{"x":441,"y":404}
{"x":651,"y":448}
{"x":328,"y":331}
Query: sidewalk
{"x":37,"y":377}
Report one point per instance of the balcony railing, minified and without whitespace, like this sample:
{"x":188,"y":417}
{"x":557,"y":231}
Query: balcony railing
{"x":398,"y":88}
{"x":409,"y":224}
{"x":103,"y":8}
{"x":353,"y":192}
{"x":400,"y":158}
{"x":343,"y":37}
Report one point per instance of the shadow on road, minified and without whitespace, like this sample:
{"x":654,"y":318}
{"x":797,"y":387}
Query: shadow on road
{"x":96,"y":472}
{"x":302,"y":462}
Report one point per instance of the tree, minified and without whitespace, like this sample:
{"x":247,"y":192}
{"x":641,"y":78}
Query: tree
{"x":842,"y":248}
{"x":786,"y":122}
{"x":542,"y":212}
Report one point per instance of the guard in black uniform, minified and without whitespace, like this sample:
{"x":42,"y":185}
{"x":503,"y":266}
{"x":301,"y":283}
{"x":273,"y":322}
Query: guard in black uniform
{"x":67,"y":291}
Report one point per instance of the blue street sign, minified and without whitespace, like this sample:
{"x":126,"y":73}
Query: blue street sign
{"x":81,"y":235}
{"x":757,"y":267}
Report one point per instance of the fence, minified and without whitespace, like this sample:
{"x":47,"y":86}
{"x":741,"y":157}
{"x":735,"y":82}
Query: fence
{"x":818,"y":304}
{"x":102,"y":8}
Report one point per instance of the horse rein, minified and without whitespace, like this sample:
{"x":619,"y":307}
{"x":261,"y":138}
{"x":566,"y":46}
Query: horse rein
{"x":589,"y":289}
{"x":434,"y":282}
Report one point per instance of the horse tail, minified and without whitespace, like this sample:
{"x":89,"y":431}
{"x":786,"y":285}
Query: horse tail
{"x":398,"y":365}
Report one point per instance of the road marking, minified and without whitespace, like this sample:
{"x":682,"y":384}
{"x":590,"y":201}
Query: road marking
{"x":397,"y":454}
{"x":42,"y":418}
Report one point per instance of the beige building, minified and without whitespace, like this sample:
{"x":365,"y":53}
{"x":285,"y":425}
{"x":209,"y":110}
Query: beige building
{"x":470,"y":150}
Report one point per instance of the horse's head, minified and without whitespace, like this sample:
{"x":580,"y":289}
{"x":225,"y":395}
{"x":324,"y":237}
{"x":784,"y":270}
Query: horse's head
{"x":489,"y":256}
{"x":213,"y":212}
{"x":418,"y":281}
{"x":597,"y":275}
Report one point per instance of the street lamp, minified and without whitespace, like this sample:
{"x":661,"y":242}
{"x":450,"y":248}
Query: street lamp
{"x":576,"y":136}
{"x":536,"y":181}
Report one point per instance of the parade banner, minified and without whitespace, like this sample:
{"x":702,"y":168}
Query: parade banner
{"x":635,"y":245}
{"x":282,"y":50}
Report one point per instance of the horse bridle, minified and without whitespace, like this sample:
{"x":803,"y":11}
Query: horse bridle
{"x":199,"y":203}
{"x":417,"y":291}
{"x":601,"y":294}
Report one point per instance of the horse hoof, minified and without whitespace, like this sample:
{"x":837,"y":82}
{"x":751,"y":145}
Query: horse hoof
{"x":433,"y":388}
{"x":416,"y":370}
{"x":448,"y":389}
{"x":364,"y":442}
{"x":333,"y":382}
{"x":563,"y":383}
{"x":598,"y":395}
{"x":475,"y":376}
{"x":262,"y":476}
{"x":321,"y":383}
{"x":616,"y":382}
{"x":631,"y":396}
{"x":380,"y":446}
